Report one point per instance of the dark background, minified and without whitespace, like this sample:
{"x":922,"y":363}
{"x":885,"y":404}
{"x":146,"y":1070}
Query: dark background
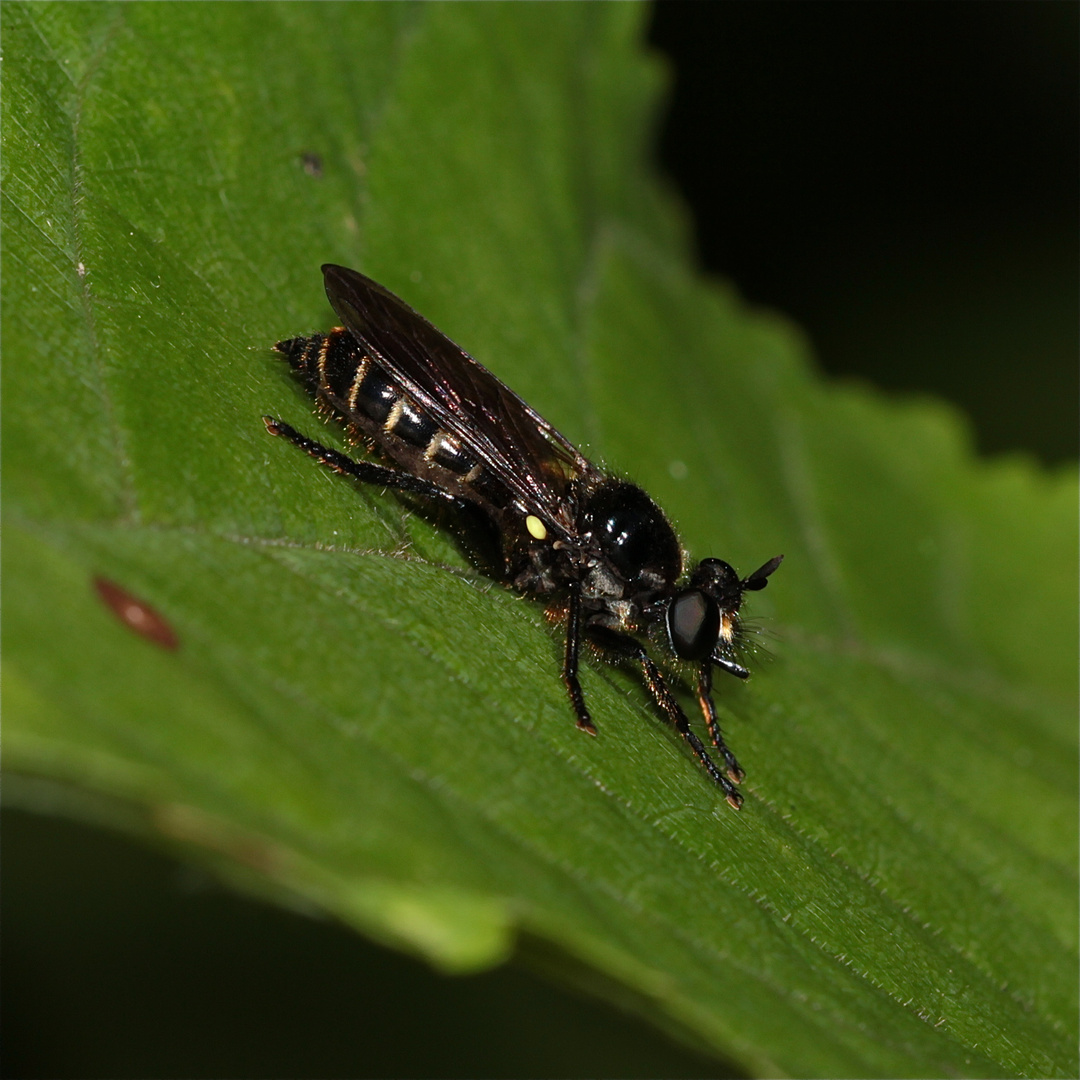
{"x":901,"y":180}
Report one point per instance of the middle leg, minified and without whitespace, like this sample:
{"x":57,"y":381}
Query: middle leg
{"x":626,"y":646}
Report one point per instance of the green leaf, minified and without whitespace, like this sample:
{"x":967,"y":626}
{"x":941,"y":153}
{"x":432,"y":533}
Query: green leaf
{"x":354,"y":717}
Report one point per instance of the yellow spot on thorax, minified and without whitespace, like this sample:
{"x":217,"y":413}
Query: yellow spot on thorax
{"x":537,"y":529}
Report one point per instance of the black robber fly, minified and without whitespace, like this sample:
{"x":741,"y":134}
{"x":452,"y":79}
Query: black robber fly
{"x":596,"y":548}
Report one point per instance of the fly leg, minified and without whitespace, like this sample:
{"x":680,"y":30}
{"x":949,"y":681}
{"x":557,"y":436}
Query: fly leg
{"x":476,"y":532}
{"x":570,"y":660}
{"x":365,"y":471}
{"x":625,"y":646}
{"x":704,"y":694}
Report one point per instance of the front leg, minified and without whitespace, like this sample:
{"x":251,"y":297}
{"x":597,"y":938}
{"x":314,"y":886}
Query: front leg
{"x":704,"y":694}
{"x":629,"y":647}
{"x":570,"y":660}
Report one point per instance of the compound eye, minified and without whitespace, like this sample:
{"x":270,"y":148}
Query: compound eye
{"x":693,"y":624}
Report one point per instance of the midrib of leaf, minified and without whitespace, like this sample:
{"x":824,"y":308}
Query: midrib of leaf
{"x":79,"y":86}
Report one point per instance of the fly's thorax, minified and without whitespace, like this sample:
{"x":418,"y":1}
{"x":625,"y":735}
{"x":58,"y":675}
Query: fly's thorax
{"x":628,"y":539}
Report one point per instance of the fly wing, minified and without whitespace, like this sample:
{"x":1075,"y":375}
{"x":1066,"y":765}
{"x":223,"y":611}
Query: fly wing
{"x":512,"y":440}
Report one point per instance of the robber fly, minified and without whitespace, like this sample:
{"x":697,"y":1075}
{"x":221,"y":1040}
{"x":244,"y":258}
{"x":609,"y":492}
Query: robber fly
{"x":596,"y":548}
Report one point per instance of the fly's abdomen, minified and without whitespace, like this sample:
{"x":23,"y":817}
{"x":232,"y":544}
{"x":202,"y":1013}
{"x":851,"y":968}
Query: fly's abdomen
{"x":359,"y":391}
{"x":339,"y":374}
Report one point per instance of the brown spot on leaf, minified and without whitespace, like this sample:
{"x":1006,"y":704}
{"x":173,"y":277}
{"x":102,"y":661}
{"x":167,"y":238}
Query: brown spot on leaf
{"x":136,"y":614}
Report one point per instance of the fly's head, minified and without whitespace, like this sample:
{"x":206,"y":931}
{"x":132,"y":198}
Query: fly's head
{"x":702,"y":620}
